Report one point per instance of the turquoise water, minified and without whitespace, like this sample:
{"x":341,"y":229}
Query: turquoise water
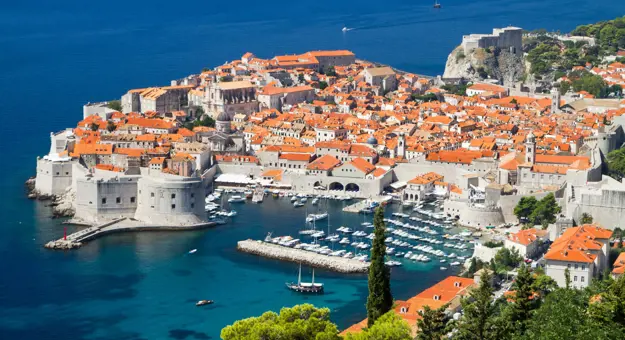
{"x":55,"y":56}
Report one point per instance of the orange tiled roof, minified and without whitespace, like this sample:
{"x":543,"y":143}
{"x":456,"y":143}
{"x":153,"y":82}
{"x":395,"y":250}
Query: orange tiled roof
{"x":325,"y":163}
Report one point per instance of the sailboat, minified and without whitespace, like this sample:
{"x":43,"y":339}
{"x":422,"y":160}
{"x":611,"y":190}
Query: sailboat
{"x":305,"y":287}
{"x":436,"y":4}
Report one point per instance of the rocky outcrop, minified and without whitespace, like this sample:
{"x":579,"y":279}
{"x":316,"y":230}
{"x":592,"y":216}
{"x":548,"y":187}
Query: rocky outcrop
{"x":480,"y":64}
{"x":62,"y":245}
{"x":63,"y":205}
{"x":337,"y":264}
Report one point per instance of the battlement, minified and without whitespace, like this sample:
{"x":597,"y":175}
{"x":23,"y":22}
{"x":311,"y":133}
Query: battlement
{"x":509,"y":38}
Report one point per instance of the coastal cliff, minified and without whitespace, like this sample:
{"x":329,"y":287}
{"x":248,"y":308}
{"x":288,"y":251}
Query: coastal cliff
{"x":481,"y":64}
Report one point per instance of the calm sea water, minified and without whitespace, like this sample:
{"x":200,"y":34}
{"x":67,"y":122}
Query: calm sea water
{"x":55,"y":56}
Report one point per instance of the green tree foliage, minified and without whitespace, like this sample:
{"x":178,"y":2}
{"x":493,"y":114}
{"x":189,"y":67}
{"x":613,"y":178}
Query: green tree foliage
{"x":322,"y":85}
{"x":300,"y":78}
{"x":563,"y":315}
{"x":507,"y":259}
{"x":460,"y":89}
{"x":546,"y":210}
{"x":525,"y":207}
{"x":474,"y":265}
{"x":524,"y":302}
{"x":380,"y":299}
{"x":115,"y":105}
{"x":110,"y":126}
{"x":585,"y":219}
{"x":609,"y":35}
{"x":430,"y":97}
{"x":299,"y":322}
{"x":616,"y":164}
{"x":493,"y":244}
{"x":591,"y":83}
{"x":330,"y":71}
{"x":479,"y":319}
{"x":433,"y":323}
{"x":542,"y":58}
{"x":388,"y":327}
{"x":543,"y":284}
{"x":94,"y":126}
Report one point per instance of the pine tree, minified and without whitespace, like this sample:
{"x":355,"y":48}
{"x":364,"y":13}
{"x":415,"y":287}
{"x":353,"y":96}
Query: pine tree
{"x":523,"y":302}
{"x":380,"y":299}
{"x":478,"y":321}
{"x":433,"y":323}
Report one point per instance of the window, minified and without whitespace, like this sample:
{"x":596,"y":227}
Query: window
{"x":118,"y":200}
{"x":576,"y":266}
{"x":575,"y":278}
{"x":67,"y":173}
{"x":132,"y":199}
{"x":173,"y":195}
{"x":173,"y":206}
{"x":151,"y":194}
{"x":57,"y":173}
{"x":192,"y":205}
{"x":582,"y":278}
{"x":104,"y":200}
{"x":568,"y":266}
{"x":583,"y":267}
{"x":192,"y":195}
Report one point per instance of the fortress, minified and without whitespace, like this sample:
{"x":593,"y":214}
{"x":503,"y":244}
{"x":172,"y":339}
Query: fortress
{"x":509,"y":38}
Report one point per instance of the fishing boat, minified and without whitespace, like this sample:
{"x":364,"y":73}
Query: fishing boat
{"x":305,"y":287}
{"x":436,"y":4}
{"x":192,"y":251}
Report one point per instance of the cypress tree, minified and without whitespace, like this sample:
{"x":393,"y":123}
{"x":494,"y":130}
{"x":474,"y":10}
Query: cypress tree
{"x":380,"y":299}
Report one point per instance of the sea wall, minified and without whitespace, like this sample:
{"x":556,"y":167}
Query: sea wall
{"x":337,"y":264}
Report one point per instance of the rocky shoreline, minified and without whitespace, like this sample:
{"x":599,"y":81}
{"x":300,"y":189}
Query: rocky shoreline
{"x":337,"y":264}
{"x":61,"y":205}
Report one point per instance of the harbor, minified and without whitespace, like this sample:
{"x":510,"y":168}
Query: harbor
{"x":327,"y":237}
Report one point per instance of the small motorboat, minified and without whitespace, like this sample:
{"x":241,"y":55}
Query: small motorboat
{"x":204,"y":302}
{"x":192,"y":251}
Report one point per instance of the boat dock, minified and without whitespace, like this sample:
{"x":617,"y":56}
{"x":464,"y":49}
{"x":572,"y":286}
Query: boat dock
{"x":358,"y":206}
{"x":274,"y":251}
{"x":77,"y":239}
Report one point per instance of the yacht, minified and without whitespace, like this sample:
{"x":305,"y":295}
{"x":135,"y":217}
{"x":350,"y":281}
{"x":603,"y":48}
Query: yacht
{"x":305,"y":287}
{"x":316,"y":217}
{"x":297,"y":204}
{"x":344,"y":240}
{"x":236,"y":199}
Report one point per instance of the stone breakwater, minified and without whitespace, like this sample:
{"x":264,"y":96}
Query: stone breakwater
{"x":337,"y":264}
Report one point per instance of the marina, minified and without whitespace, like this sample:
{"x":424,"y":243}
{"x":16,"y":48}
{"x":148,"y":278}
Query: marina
{"x":422,"y":234}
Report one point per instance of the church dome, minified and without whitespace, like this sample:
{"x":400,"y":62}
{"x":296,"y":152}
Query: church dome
{"x":371,"y":140}
{"x":223,"y":117}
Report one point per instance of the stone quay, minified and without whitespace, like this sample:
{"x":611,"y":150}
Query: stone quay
{"x":336,"y":264}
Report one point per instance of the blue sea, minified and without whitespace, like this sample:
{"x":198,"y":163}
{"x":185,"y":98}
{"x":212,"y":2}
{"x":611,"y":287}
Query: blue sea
{"x":57,"y":55}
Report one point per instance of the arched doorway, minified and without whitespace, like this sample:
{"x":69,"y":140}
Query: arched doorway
{"x":336,"y":186}
{"x":352,"y":187}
